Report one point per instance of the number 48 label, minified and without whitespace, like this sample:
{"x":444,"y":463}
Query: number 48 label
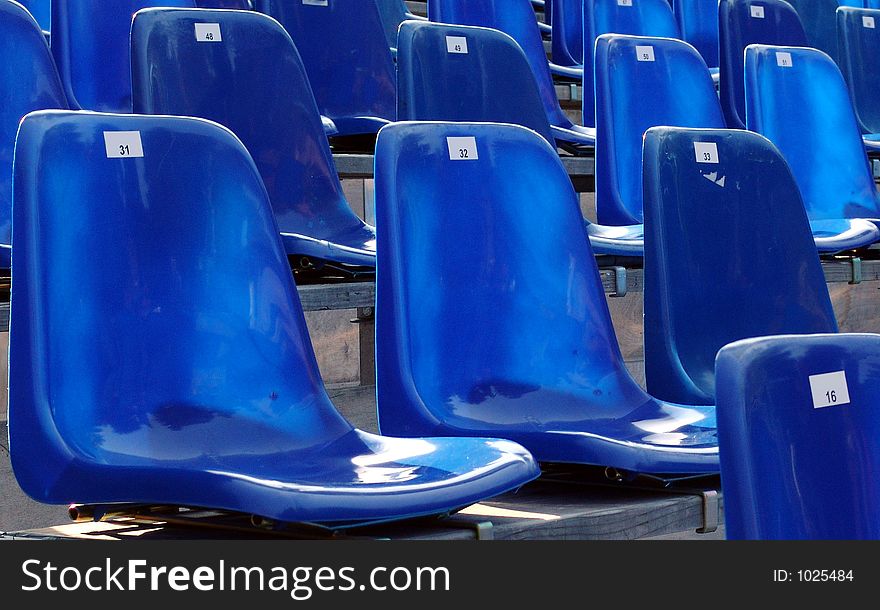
{"x":829,"y":389}
{"x":208,"y":32}
{"x":462,"y":149}
{"x":123,"y":144}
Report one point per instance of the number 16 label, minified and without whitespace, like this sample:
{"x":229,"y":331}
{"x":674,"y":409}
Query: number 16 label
{"x":123,"y":144}
{"x":462,"y":149}
{"x":829,"y":389}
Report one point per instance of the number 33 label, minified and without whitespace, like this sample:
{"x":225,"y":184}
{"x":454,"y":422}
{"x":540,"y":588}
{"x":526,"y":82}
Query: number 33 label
{"x":829,"y":389}
{"x":123,"y":144}
{"x":462,"y":149}
{"x":707,"y":152}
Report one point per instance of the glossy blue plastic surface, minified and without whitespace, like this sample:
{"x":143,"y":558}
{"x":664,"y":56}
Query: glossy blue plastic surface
{"x":799,"y":108}
{"x":567,"y":41}
{"x":790,"y":470}
{"x":755,"y":273}
{"x":199,"y":386}
{"x":491,"y":318}
{"x":872,"y":3}
{"x":643,"y":18}
{"x":631,"y":95}
{"x":28,"y":82}
{"x":492,"y":82}
{"x":253,"y":83}
{"x":516,"y":19}
{"x":90,"y":43}
{"x":817,"y":17}
{"x":41,"y":10}
{"x":859,"y":47}
{"x":393,"y":13}
{"x":698,"y":22}
{"x":737,"y":30}
{"x":347,"y":58}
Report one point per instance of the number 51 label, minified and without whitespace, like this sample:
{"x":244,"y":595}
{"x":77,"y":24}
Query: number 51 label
{"x":123,"y":144}
{"x":829,"y":389}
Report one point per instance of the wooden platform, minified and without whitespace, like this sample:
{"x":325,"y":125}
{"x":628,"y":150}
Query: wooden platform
{"x":544,"y":510}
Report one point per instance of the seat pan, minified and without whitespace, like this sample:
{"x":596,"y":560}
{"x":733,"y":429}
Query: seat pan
{"x":626,"y":240}
{"x":5,"y":256}
{"x":843,"y":234}
{"x":356,"y":247}
{"x":575,"y":134}
{"x":355,"y":478}
{"x":357,"y":125}
{"x":576,"y":73}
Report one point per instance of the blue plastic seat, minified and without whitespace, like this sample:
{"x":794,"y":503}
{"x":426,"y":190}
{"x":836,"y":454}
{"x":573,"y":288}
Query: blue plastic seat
{"x":673,"y":89}
{"x":859,"y":44}
{"x":792,"y":467}
{"x":393,"y":13}
{"x":872,"y":3}
{"x":567,"y":40}
{"x":698,"y":22}
{"x":516,"y":19}
{"x":41,"y":11}
{"x":817,"y":17}
{"x":804,"y":108}
{"x":90,"y":43}
{"x":642,"y":18}
{"x":728,"y":255}
{"x":254,"y":83}
{"x":738,"y":28}
{"x":199,"y":386}
{"x":350,"y":67}
{"x":491,"y":318}
{"x":28,"y":81}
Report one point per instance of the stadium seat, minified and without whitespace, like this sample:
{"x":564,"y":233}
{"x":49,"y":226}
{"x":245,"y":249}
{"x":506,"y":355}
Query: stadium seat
{"x":393,"y":13}
{"x":642,"y":82}
{"x":755,"y":273}
{"x":28,"y":81}
{"x":798,"y":431}
{"x":254,"y":83}
{"x":464,"y":73}
{"x":745,"y":22}
{"x":640,"y":18}
{"x":197,"y":385}
{"x":797,"y":98}
{"x":698,"y":22}
{"x":515,"y":18}
{"x":41,"y":10}
{"x":350,"y":67}
{"x":491,"y":318}
{"x":567,"y":40}
{"x":90,"y":43}
{"x":817,"y":17}
{"x":859,"y":44}
{"x":872,"y":3}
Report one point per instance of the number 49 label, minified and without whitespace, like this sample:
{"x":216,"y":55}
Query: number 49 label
{"x":123,"y":144}
{"x":456,"y":44}
{"x":462,"y":149}
{"x":208,"y":32}
{"x":829,"y":389}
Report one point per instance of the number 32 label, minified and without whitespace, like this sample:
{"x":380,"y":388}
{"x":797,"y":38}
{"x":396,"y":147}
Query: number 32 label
{"x":462,"y":149}
{"x":829,"y":389}
{"x":123,"y":144}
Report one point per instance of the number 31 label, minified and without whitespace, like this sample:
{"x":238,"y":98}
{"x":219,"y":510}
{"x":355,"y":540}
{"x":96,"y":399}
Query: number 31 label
{"x":829,"y":390}
{"x":123,"y":144}
{"x":462,"y":149}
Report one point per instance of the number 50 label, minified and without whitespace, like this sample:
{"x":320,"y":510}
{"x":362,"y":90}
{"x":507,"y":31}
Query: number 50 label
{"x":123,"y":144}
{"x":829,"y":389}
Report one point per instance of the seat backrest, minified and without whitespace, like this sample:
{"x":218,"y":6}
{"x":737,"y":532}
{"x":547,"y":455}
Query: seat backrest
{"x":487,"y":288}
{"x":797,"y":98}
{"x":698,"y":22}
{"x":41,"y":10}
{"x":343,"y":47}
{"x":163,"y":228}
{"x":90,"y":43}
{"x":745,"y":22}
{"x":797,"y":434}
{"x":640,"y":83}
{"x":516,"y":18}
{"x":637,"y":18}
{"x":28,"y":82}
{"x":253,"y":82}
{"x":725,"y":233}
{"x":392,"y":13}
{"x":872,"y":3}
{"x":567,"y":39}
{"x":817,"y":17}
{"x":463,"y":73}
{"x":859,"y":43}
